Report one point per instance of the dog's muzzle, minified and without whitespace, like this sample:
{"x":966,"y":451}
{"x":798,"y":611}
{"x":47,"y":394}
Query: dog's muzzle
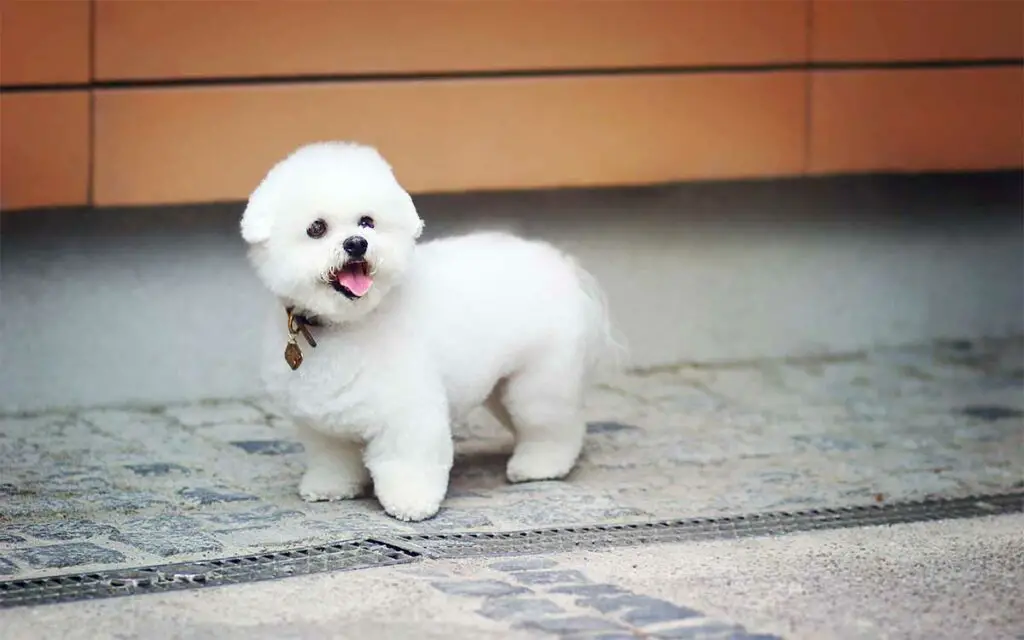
{"x":353,"y":279}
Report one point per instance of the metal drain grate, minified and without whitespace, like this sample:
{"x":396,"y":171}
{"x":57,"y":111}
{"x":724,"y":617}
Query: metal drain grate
{"x":378,"y":552}
{"x":554,"y":540}
{"x":356,"y":554}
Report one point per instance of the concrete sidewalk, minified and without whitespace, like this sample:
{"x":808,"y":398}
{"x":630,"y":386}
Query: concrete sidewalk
{"x":956,"y":580}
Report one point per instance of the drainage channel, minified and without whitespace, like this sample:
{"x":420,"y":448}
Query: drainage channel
{"x":341,"y":556}
{"x":405,"y":548}
{"x":561,"y":539}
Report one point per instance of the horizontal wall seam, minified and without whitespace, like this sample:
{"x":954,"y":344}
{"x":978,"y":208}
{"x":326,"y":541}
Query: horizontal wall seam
{"x":342,"y":78}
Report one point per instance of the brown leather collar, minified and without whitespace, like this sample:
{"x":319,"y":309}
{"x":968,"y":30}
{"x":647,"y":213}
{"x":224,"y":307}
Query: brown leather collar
{"x":302,"y":319}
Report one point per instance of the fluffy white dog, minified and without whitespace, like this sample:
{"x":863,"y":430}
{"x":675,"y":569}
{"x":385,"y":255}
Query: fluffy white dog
{"x":411,"y":337}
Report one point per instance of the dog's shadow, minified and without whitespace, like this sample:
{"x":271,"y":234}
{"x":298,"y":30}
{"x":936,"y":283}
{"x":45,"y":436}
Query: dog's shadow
{"x":479,"y":470}
{"x":482,"y":450}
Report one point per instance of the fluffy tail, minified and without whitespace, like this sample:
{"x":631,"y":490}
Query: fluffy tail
{"x":606,"y":350}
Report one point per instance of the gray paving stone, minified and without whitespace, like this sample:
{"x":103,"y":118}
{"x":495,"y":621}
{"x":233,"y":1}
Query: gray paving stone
{"x":123,"y":502}
{"x":78,"y":481}
{"x":448,"y":519}
{"x":166,"y":536}
{"x":608,"y":427}
{"x":644,"y":611}
{"x":573,"y":625}
{"x":167,"y":546}
{"x":642,"y":606}
{"x":162,"y":524}
{"x":33,"y":507}
{"x":709,"y":630}
{"x":205,"y":496}
{"x":269,"y":447}
{"x":590,"y":590}
{"x":523,"y":564}
{"x":518,"y":608}
{"x":158,"y":469}
{"x":67,"y":555}
{"x":570,"y":576}
{"x":347,"y":525}
{"x":262,"y":516}
{"x":66,"y":530}
{"x":991,"y":413}
{"x":7,"y":568}
{"x":479,"y":588}
{"x":255,"y":539}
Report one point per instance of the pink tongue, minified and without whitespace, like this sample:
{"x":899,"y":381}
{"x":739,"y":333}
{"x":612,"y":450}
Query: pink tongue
{"x":355,"y":281}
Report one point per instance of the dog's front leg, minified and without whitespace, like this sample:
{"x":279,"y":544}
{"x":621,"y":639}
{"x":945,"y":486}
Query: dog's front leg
{"x":410,"y":461}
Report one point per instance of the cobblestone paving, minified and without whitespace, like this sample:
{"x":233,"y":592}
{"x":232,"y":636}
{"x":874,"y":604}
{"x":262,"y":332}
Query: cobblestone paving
{"x":96,"y":488}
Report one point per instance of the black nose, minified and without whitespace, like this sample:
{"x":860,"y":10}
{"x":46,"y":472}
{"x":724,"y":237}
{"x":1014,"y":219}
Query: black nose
{"x":355,"y":246}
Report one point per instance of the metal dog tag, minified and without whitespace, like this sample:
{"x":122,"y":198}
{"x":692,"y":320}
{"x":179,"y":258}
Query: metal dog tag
{"x":296,"y":325}
{"x":293,"y":354}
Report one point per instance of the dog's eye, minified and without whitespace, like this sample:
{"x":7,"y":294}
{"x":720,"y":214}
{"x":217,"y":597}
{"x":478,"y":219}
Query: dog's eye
{"x":366,"y":222}
{"x":317,"y":229}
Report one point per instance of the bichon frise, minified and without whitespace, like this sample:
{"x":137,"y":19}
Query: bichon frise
{"x":382,"y":342}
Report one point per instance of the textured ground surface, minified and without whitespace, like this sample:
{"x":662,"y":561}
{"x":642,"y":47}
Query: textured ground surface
{"x":951,"y":580}
{"x":92,"y":489}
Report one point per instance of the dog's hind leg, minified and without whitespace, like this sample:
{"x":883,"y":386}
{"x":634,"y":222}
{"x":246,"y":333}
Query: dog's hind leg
{"x":542,"y":403}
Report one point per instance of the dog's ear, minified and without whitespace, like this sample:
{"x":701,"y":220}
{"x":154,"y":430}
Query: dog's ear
{"x":255,"y":224}
{"x":412,"y":213}
{"x":257,"y":219}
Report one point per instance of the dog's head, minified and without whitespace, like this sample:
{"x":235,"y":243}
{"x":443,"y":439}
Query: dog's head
{"x":330,"y":230}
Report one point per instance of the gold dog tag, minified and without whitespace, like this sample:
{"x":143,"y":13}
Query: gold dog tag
{"x":293,"y":354}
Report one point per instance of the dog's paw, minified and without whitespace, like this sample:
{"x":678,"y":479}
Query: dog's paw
{"x":410,"y":494}
{"x":322,"y":484}
{"x":410,"y":510}
{"x":530,"y":464}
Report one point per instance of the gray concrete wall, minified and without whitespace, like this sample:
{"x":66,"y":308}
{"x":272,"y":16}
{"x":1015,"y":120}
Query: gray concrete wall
{"x":156,"y":305}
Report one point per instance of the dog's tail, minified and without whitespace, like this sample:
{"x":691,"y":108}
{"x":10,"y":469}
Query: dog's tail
{"x":606,"y":350}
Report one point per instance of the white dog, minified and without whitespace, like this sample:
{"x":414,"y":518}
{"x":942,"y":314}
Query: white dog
{"x":410,"y":337}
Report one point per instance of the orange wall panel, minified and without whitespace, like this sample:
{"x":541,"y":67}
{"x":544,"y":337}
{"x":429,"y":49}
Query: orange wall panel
{"x":233,"y":38}
{"x":887,"y":30}
{"x":44,"y":42}
{"x":208,"y":144}
{"x":44,"y":149}
{"x":917,"y":120}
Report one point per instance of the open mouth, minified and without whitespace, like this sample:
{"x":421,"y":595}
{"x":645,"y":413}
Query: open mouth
{"x":352,"y":280}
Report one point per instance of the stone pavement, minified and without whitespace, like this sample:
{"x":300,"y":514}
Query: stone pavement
{"x":91,"y":489}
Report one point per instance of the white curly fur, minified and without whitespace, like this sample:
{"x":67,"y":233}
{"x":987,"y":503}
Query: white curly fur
{"x":448,"y":325}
